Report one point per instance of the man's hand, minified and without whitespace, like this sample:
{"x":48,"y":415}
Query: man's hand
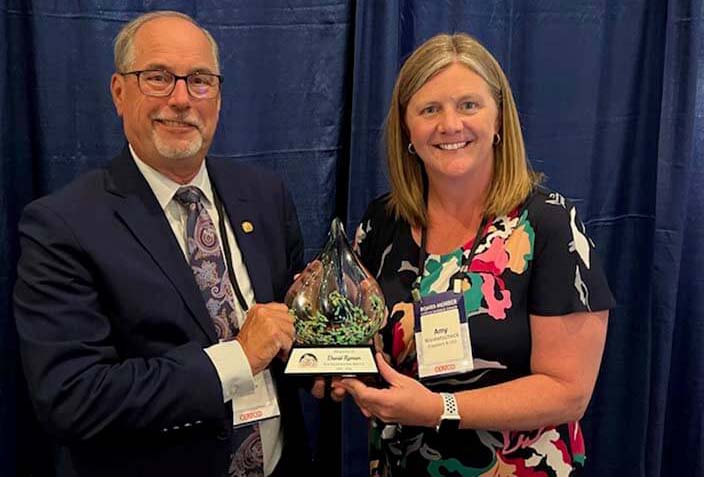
{"x":267,"y":332}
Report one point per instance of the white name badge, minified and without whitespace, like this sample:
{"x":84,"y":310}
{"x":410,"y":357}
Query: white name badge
{"x":443,"y":345}
{"x":331,"y":360}
{"x":258,"y":405}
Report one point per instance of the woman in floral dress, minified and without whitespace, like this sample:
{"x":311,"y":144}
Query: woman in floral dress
{"x":516,"y":259}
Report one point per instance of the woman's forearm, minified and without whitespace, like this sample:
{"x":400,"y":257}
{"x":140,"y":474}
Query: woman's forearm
{"x":529,"y":402}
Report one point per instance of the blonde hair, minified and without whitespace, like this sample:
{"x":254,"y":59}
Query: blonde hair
{"x":124,"y":41}
{"x":512,"y":180}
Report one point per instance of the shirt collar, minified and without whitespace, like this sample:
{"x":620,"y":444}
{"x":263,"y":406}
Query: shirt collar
{"x":165,"y":188}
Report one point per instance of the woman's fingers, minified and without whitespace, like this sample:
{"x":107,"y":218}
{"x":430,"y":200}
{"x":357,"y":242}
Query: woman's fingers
{"x":318,"y":389}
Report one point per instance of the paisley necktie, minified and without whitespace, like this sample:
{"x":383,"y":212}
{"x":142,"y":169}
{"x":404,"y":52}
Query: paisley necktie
{"x":206,"y":259}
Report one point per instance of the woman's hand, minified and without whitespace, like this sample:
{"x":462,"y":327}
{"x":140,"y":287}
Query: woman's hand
{"x":336,"y":392}
{"x":405,"y":401}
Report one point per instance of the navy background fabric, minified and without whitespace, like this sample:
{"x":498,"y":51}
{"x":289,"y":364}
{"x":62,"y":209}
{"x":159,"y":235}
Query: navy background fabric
{"x":611,"y":98}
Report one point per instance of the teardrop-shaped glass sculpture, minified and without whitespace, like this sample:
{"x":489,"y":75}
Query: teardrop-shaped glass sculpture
{"x":336,"y":301}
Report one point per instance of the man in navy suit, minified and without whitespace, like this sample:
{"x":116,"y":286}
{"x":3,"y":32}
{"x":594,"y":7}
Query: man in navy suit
{"x":121,"y":353}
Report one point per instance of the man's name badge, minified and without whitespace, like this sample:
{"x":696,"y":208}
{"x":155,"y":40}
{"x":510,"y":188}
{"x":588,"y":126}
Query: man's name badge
{"x":258,"y":405}
{"x":443,"y":346}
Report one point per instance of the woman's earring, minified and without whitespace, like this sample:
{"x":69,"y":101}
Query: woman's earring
{"x":411,"y":149}
{"x":497,"y":139}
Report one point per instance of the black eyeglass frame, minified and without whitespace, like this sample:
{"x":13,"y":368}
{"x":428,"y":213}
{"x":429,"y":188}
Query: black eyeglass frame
{"x":168,"y":92}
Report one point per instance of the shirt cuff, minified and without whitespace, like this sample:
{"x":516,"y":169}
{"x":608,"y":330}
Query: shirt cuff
{"x":232,"y":367}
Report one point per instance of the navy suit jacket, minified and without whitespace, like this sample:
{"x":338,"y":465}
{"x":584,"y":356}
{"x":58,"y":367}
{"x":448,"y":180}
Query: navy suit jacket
{"x":112,"y":325}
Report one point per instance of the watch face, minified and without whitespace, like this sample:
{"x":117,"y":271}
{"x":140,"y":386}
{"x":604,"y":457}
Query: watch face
{"x":450,"y":419}
{"x":449,"y":424}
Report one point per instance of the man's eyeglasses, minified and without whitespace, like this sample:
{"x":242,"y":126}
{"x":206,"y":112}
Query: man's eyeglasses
{"x":162,"y":83}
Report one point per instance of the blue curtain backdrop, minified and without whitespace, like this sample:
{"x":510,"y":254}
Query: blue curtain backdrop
{"x":608,"y":98}
{"x":611,"y":98}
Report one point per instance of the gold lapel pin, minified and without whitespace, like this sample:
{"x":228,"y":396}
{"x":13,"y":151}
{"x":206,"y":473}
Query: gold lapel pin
{"x":247,"y":227}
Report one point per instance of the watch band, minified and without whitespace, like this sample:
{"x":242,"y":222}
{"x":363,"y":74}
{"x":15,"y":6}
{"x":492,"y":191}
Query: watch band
{"x":450,"y":418}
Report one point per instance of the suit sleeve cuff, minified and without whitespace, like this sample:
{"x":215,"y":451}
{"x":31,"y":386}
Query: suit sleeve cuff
{"x":233,"y":369}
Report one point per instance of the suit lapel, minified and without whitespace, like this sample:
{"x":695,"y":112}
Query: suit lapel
{"x":247,"y":225}
{"x":136,"y":205}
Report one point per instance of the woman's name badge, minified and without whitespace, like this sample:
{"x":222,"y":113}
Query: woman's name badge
{"x":443,"y":346}
{"x":258,"y":405}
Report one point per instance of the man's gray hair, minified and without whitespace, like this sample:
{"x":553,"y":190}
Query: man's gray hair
{"x":124,"y":41}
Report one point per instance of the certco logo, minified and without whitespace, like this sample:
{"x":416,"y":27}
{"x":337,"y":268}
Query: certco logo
{"x":246,"y":416}
{"x":444,"y":367}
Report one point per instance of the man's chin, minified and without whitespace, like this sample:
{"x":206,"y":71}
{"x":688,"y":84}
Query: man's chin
{"x":178,"y":151}
{"x":177,"y":155}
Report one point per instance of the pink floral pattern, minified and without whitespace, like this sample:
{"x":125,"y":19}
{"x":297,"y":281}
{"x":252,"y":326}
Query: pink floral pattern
{"x":508,"y":278}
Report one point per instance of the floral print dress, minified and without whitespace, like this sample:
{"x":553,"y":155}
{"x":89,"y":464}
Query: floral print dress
{"x":536,"y":260}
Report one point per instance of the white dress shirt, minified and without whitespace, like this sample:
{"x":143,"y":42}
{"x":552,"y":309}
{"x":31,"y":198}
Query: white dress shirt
{"x":228,"y":357}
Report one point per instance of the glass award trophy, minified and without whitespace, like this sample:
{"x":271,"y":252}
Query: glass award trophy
{"x":338,"y":308}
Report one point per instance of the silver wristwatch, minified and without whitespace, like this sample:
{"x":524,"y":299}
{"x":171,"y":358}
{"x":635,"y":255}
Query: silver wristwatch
{"x":450,"y":419}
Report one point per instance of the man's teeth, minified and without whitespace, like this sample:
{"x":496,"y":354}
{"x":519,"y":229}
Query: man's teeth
{"x":174,"y":123}
{"x":453,"y":146}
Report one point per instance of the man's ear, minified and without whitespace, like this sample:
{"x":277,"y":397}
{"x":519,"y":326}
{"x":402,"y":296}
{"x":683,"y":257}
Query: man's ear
{"x":117,"y":90}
